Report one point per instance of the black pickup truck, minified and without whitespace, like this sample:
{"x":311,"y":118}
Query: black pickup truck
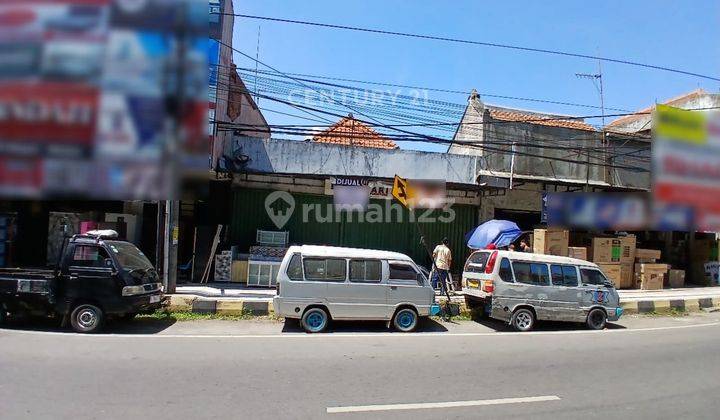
{"x":97,"y":276}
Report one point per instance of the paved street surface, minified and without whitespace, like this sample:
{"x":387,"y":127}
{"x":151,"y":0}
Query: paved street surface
{"x":642,"y":368}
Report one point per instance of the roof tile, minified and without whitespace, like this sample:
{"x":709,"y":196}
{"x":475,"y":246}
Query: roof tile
{"x":351,"y":132}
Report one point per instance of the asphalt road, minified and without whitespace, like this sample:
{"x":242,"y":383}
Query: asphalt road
{"x":652,"y":368}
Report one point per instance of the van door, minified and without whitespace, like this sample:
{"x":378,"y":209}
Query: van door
{"x":366,"y":292}
{"x":328,"y":277}
{"x":405,"y":286}
{"x":562,"y":303}
{"x":592,"y":289}
{"x":531,"y":287}
{"x":89,"y":275}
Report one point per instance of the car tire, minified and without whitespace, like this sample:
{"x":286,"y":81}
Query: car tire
{"x":523,"y":320}
{"x":315,"y":320}
{"x":596,"y":319}
{"x":86,"y":319}
{"x":405,"y":320}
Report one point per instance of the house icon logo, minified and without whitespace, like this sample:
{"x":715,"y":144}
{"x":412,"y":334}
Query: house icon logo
{"x":279,"y":206}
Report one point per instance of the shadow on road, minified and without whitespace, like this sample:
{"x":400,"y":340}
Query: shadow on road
{"x":113,"y":326}
{"x":501,"y":326}
{"x":426,"y":325}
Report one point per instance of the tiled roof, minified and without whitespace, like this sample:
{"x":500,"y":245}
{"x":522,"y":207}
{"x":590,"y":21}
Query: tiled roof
{"x":643,"y":113}
{"x":351,"y":132}
{"x":512,"y":115}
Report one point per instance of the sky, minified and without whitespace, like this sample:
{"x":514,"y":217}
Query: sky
{"x":681,"y":35}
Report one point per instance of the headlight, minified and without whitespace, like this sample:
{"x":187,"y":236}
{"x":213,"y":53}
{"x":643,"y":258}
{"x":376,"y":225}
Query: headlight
{"x":33,"y":286}
{"x":133,"y":290}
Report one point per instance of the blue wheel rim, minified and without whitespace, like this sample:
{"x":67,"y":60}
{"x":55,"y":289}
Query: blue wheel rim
{"x":406,"y":319}
{"x":315,"y":321}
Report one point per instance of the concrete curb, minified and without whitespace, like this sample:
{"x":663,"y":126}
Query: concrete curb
{"x":262,"y":307}
{"x":202,"y":305}
{"x":668,"y":305}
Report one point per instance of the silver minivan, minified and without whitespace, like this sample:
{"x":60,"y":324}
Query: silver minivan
{"x":522,"y":288}
{"x":317,"y":284}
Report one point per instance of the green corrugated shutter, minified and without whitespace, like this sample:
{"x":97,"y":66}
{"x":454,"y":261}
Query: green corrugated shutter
{"x":396,"y":233}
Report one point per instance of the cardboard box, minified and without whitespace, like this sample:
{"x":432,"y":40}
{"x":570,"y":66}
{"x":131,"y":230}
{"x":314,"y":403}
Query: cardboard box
{"x":239,"y":271}
{"x":650,"y":276}
{"x":613,"y":272}
{"x":627,"y":276}
{"x":647,"y":255}
{"x":605,"y":250}
{"x":628,"y":245}
{"x":579,"y":252}
{"x":551,"y":241}
{"x":676,"y":278}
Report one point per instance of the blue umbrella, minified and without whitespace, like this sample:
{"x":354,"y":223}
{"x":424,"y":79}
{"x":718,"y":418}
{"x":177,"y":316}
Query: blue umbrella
{"x":498,"y":232}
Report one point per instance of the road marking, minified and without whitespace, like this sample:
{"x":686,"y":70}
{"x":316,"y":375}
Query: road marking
{"x":361,"y":334}
{"x":448,"y":404}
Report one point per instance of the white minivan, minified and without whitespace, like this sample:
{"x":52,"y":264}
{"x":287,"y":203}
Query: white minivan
{"x":317,"y":284}
{"x":522,"y":288}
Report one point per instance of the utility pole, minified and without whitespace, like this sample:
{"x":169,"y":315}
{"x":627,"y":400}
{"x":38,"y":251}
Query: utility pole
{"x":171,"y":152}
{"x":597,"y":80}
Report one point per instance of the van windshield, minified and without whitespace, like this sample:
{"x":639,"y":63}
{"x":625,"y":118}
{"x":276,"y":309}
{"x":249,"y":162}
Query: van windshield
{"x":129,"y":256}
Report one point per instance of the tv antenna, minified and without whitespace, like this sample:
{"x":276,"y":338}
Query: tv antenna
{"x":597,"y":80}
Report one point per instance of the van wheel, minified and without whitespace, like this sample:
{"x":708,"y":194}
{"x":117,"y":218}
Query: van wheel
{"x":405,"y":320}
{"x":314,"y":320}
{"x":596,"y":319}
{"x":86,"y":319}
{"x":523,"y":320}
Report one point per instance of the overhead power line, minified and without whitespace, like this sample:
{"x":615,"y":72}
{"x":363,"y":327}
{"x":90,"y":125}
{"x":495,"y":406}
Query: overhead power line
{"x":480,"y":43}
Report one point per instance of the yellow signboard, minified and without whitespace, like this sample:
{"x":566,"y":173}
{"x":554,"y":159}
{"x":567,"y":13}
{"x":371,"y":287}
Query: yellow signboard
{"x":680,"y":125}
{"x":402,"y":191}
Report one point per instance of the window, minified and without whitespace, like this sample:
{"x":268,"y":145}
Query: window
{"x":402,"y":272}
{"x":89,"y":256}
{"x":294,"y":268}
{"x":592,"y":276}
{"x":531,"y":273}
{"x":505,"y":270}
{"x":564,"y":275}
{"x":365,"y":271}
{"x":325,"y":269}
{"x":476,"y":262}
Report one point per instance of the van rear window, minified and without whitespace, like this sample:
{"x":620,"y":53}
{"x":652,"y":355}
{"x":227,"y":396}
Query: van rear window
{"x":476,"y":262}
{"x":294,"y":268}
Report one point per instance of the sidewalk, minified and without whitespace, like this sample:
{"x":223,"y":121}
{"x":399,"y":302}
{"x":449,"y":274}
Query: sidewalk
{"x":235,"y":299}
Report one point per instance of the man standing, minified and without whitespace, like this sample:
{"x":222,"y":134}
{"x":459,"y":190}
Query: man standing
{"x":524,"y":247}
{"x":443,"y":258}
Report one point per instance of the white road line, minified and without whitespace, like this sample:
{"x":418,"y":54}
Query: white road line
{"x":358,"y":335}
{"x":448,"y":404}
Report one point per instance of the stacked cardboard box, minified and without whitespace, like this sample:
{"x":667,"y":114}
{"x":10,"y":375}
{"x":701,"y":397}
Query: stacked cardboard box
{"x":551,"y":241}
{"x":705,"y":251}
{"x":650,"y":276}
{"x":617,"y":255}
{"x":647,"y":255}
{"x":613,"y":271}
{"x":579,"y":252}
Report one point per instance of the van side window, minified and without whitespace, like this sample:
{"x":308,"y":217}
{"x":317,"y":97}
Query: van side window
{"x":476,"y":262}
{"x":89,"y":256}
{"x":325,"y":269}
{"x":592,"y":276}
{"x":531,"y":273}
{"x":564,"y":275}
{"x":294,"y":268}
{"x":505,"y":270}
{"x":365,"y":271}
{"x":402,"y":272}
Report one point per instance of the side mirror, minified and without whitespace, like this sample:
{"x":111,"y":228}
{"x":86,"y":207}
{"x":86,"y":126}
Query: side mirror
{"x":108,"y":263}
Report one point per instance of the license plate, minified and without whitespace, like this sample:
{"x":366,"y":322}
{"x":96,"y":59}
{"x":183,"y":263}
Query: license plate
{"x":473,"y":284}
{"x":155,"y":299}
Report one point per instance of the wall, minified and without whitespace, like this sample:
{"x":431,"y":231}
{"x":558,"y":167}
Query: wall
{"x":399,"y":235}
